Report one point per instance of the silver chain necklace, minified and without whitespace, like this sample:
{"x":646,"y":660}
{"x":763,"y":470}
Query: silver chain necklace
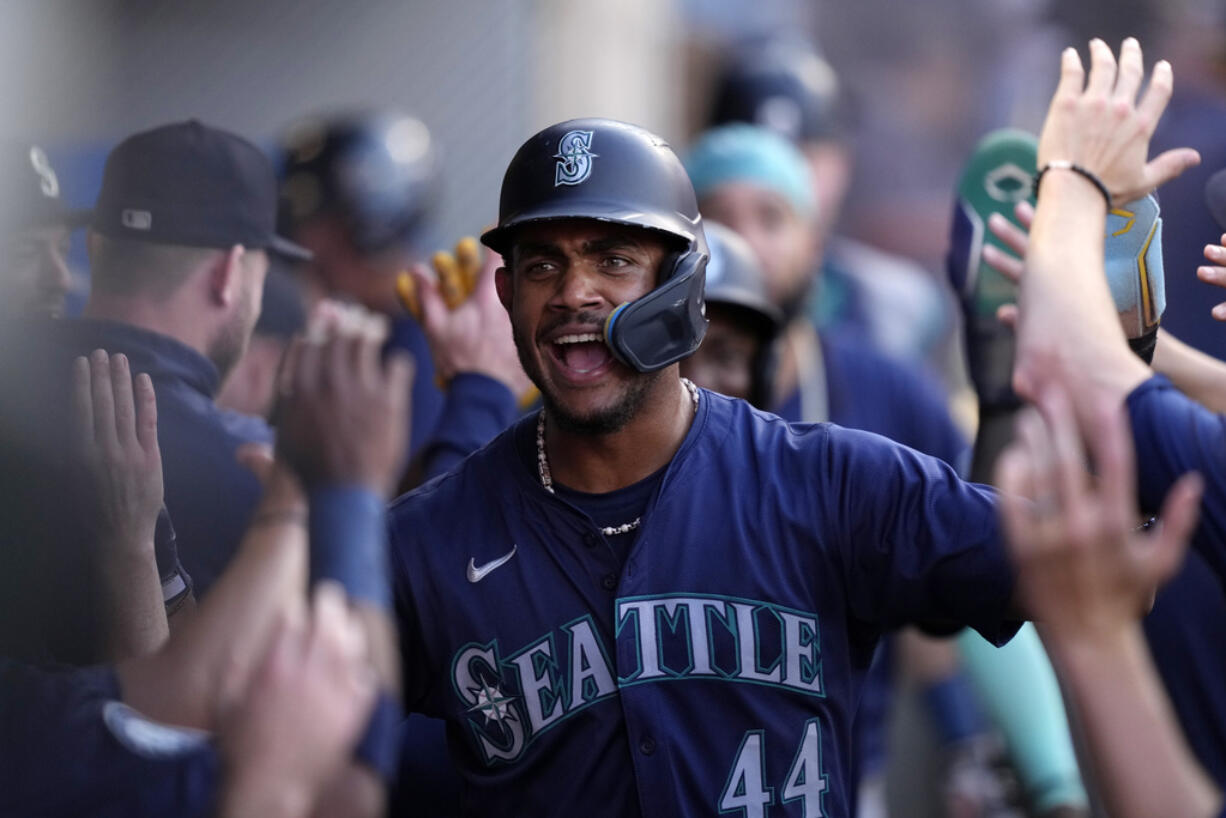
{"x":542,"y":463}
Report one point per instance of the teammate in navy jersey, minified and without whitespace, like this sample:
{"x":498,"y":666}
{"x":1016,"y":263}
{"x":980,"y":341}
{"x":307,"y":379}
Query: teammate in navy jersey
{"x":649,"y":598}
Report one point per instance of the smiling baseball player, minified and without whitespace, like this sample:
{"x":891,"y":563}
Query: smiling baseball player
{"x":647,"y":598}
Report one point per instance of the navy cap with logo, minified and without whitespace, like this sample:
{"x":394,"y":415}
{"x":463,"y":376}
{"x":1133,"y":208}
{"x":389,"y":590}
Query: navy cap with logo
{"x":190,"y":184}
{"x":30,"y":190}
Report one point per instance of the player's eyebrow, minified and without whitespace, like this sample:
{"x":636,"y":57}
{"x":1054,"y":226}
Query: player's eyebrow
{"x":595,"y":247}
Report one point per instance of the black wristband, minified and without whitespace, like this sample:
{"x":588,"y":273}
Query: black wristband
{"x":1064,"y":164}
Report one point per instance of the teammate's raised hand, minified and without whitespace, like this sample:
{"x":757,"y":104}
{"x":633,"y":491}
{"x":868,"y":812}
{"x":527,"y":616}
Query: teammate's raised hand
{"x":1098,"y":123}
{"x":1215,"y":273}
{"x":475,"y":335}
{"x":1083,"y":571}
{"x":115,"y":432}
{"x":344,"y":412}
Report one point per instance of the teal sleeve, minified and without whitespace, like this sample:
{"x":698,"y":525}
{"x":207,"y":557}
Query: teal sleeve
{"x":1018,"y":687}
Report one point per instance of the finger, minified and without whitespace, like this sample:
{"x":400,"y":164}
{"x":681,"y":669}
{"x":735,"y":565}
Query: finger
{"x":398,"y":379}
{"x":146,"y":414}
{"x":1180,"y":513}
{"x":1009,"y":266}
{"x":82,"y":405}
{"x":1072,"y":75}
{"x":449,"y":282}
{"x":1023,"y":211}
{"x":366,"y":363}
{"x":305,"y":377}
{"x":485,"y":287}
{"x":1213,"y":273}
{"x":1156,"y":97}
{"x":125,"y":406}
{"x":1215,"y":253}
{"x":1007,"y":314}
{"x":289,"y":364}
{"x":1102,"y":69}
{"x":1032,"y":441}
{"x":103,"y":400}
{"x":468,"y":255}
{"x":433,"y":307}
{"x":1131,"y":72}
{"x":1166,"y":166}
{"x":406,"y":291}
{"x":1114,"y":460}
{"x":1068,"y":456}
{"x":1012,"y":478}
{"x":1014,"y":237}
{"x":1219,"y":311}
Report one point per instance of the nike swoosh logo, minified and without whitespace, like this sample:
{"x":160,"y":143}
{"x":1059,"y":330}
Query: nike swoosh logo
{"x":476,"y":574}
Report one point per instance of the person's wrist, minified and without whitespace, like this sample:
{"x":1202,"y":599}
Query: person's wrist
{"x":253,"y":790}
{"x":1090,"y":648}
{"x":1067,"y":183}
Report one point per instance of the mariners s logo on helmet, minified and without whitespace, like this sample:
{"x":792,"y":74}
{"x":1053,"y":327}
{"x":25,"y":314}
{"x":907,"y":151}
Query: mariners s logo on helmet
{"x":574,"y":158}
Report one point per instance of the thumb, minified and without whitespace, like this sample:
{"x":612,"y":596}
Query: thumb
{"x":256,"y":457}
{"x":1166,"y":166}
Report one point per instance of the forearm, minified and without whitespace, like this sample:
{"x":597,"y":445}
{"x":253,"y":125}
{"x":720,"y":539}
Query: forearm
{"x":1142,"y":763}
{"x":1199,"y":376}
{"x":131,"y":594}
{"x":211,"y":658}
{"x":1067,"y":315}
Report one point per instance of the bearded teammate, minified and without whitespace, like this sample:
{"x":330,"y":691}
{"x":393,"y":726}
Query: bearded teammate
{"x":649,"y":598}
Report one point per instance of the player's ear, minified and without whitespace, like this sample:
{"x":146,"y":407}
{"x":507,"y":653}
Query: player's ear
{"x":225,"y":275}
{"x":505,"y":287}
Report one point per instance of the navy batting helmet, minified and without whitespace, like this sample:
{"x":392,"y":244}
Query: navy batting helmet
{"x":376,"y":171}
{"x":736,"y":284}
{"x":784,"y":85}
{"x":614,"y":172}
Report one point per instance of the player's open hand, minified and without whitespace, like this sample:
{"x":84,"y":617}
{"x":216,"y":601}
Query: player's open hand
{"x":114,"y":430}
{"x":1083,"y":571}
{"x":473,"y":335}
{"x":1215,"y":273}
{"x":300,"y":718}
{"x":343,"y":416}
{"x":1099,"y":124}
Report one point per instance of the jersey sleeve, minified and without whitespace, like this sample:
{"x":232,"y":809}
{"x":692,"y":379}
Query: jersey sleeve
{"x":477,"y":409}
{"x":917,"y":544}
{"x":1174,"y":435}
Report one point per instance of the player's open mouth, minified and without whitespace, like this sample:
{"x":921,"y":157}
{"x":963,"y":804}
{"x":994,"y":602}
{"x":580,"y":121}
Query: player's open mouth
{"x":580,"y":354}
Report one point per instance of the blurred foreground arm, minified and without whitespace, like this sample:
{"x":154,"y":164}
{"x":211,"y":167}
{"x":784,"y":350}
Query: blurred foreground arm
{"x":1089,"y":577}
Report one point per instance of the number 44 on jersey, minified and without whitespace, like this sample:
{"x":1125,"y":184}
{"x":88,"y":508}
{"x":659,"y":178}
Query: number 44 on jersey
{"x":746,"y":789}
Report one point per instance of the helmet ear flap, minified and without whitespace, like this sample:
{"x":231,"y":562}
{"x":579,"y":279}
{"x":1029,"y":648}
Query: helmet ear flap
{"x":668,"y":323}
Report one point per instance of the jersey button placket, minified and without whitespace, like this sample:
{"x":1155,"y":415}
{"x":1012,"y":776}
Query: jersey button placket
{"x":609,"y":582}
{"x":590,"y":540}
{"x":647,"y":746}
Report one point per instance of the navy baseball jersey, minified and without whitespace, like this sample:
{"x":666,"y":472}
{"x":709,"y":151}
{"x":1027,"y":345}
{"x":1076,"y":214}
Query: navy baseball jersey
{"x":714,"y":664}
{"x":1174,"y":435}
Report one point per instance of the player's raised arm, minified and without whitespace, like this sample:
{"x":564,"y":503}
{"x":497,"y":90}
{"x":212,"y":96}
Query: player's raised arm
{"x":1092,"y":154}
{"x":114,"y":429}
{"x":1088,"y":577}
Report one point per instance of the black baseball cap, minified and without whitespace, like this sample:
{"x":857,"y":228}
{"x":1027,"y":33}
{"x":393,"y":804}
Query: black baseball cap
{"x":194,"y":185}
